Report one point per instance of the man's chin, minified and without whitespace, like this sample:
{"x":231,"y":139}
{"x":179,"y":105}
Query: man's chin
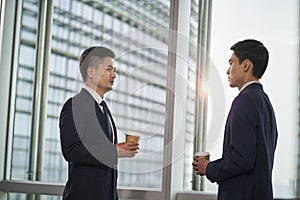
{"x":232,"y":85}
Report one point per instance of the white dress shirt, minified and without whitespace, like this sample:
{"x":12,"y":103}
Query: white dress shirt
{"x":98,"y":99}
{"x":249,"y":83}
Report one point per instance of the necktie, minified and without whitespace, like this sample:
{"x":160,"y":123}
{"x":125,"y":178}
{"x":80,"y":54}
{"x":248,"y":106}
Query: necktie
{"x":106,"y":115}
{"x":110,"y":132}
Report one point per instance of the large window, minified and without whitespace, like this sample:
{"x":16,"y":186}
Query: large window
{"x":137,"y":102}
{"x":139,"y":33}
{"x":169,"y":88}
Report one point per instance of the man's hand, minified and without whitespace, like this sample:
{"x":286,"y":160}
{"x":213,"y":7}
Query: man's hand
{"x":200,"y":165}
{"x":127,"y":149}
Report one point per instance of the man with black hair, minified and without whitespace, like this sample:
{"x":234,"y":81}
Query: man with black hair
{"x":88,"y":133}
{"x":245,"y":170}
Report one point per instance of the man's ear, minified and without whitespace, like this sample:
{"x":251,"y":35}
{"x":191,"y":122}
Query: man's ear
{"x":90,"y":72}
{"x":247,"y":64}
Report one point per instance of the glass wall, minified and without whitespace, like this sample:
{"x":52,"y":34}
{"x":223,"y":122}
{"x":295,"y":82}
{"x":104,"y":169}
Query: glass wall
{"x":137,"y":101}
{"x":24,"y":92}
{"x":138,"y":33}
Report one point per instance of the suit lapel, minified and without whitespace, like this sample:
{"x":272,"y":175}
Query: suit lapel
{"x":95,"y":108}
{"x":114,"y":127}
{"x":101,"y":119}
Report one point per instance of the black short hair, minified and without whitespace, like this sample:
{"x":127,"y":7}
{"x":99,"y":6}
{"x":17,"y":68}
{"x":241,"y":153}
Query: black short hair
{"x":91,"y":56}
{"x":254,"y":51}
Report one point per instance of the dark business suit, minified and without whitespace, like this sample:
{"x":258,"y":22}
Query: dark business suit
{"x":91,"y":155}
{"x":245,"y":170}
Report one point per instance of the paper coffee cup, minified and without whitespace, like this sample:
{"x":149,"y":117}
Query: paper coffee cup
{"x":203,"y":155}
{"x":132,"y":137}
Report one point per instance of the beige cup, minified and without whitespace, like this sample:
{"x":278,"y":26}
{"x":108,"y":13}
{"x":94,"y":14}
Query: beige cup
{"x":204,"y":155}
{"x":132,"y":137}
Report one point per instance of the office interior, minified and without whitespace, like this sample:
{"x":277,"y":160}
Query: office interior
{"x":171,"y":88}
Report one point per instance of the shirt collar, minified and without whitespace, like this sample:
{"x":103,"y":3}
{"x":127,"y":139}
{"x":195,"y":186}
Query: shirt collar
{"x":247,"y":84}
{"x":94,"y":94}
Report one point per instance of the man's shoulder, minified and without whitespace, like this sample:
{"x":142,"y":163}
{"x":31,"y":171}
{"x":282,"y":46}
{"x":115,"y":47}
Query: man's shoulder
{"x":68,"y":102}
{"x":82,"y":98}
{"x":246,"y":101}
{"x":83,"y":94}
{"x":80,"y":101}
{"x":254,"y":88}
{"x":251,"y":92}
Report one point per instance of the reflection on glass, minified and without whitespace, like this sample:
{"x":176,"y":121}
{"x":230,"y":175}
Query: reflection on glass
{"x":138,"y":99}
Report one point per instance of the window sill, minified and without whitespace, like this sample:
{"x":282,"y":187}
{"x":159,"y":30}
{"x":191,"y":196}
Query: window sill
{"x":196,"y":195}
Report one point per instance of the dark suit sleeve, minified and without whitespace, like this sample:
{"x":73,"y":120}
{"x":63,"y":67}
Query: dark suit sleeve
{"x":239,"y":151}
{"x":76,"y":150}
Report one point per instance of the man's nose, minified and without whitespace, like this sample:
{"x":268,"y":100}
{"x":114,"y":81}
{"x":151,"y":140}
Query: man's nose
{"x":227,"y":72}
{"x":113,"y":74}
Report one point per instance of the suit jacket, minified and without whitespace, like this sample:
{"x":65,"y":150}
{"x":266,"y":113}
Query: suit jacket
{"x":91,"y":156}
{"x":245,"y":170}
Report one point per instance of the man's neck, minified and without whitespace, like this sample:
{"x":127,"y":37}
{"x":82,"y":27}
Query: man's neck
{"x":95,"y":88}
{"x":249,"y":83}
